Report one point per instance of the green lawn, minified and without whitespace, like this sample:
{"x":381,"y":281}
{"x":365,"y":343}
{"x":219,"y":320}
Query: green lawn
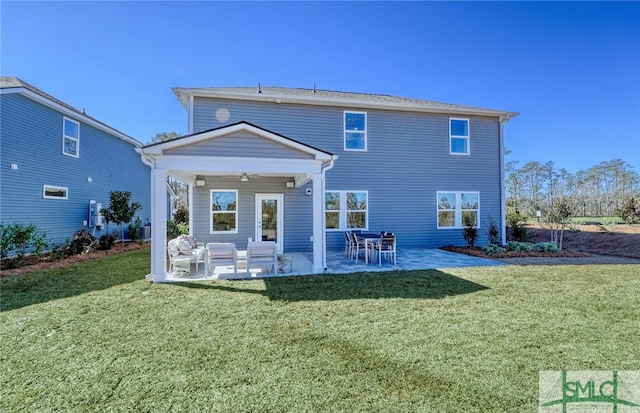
{"x":96,"y":336}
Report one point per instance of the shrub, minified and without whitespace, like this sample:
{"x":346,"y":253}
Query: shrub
{"x":546,"y":247}
{"x":174,"y":229}
{"x":60,"y":252}
{"x":493,"y":249}
{"x":21,"y":238}
{"x":521,"y":233}
{"x":107,"y":240}
{"x":630,"y":211}
{"x":181,"y":215}
{"x":493,"y":232}
{"x":135,"y":230}
{"x":517,"y":229}
{"x":520,"y":246}
{"x":81,"y":242}
{"x":470,"y":233}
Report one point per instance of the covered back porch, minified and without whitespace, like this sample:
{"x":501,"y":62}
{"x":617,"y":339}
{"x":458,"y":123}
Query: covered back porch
{"x":244,"y":182}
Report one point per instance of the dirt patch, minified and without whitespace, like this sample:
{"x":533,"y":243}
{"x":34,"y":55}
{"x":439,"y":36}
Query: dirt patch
{"x":586,"y":244}
{"x":37,"y":264}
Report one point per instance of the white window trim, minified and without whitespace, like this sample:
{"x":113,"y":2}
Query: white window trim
{"x":344,"y":130}
{"x":466,"y":137}
{"x":342,"y":220}
{"x":211,"y":230}
{"x":55,"y":188}
{"x":457,"y":214}
{"x":73,"y":138}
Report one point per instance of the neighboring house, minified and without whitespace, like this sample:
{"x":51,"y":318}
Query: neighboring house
{"x":56,"y":159}
{"x":301,"y":166}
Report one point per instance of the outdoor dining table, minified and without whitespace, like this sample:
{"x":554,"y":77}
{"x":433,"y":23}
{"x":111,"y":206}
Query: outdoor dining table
{"x":368,"y":237}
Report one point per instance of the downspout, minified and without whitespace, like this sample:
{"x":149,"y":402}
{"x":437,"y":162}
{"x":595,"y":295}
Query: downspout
{"x":325,"y":168}
{"x":503,"y":194}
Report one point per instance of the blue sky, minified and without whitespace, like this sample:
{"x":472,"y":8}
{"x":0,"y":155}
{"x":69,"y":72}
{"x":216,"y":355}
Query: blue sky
{"x":571,"y":69}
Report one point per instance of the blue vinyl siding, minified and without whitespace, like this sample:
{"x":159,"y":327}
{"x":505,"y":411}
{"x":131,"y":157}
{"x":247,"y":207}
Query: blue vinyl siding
{"x":31,"y":137}
{"x":297,"y":223}
{"x":407,"y":161}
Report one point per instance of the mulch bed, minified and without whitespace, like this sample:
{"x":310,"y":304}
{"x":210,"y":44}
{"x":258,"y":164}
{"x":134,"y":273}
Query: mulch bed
{"x":588,"y":244}
{"x":34,"y":263}
{"x":478,"y":252}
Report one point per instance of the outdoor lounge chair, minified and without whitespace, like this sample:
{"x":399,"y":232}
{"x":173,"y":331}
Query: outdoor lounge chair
{"x":220,"y":253}
{"x":262,"y":253}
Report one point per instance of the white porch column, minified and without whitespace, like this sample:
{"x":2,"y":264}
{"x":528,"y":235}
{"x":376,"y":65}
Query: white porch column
{"x":318,"y":229}
{"x":159,"y":224}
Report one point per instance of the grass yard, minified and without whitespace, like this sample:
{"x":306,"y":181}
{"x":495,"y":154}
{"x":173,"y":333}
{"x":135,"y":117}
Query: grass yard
{"x":95,"y":336}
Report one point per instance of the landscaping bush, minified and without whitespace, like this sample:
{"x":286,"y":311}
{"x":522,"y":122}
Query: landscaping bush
{"x":174,"y":229}
{"x":516,"y":223}
{"x":491,"y":249}
{"x":520,"y":246}
{"x":493,"y":232}
{"x":181,"y":215}
{"x":135,"y":230}
{"x":107,"y":240}
{"x":21,"y":239}
{"x":546,"y":247}
{"x":630,"y":211}
{"x":470,"y":233}
{"x":81,"y":242}
{"x":60,"y":252}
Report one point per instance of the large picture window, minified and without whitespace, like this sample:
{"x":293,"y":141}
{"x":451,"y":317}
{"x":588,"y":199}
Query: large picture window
{"x":458,"y":209}
{"x":458,"y":136}
{"x":355,"y":131}
{"x":224,"y":211}
{"x":346,"y":210}
{"x":70,"y":137}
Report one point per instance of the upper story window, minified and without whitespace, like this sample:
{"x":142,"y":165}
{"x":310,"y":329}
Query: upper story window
{"x":458,"y":209}
{"x":70,"y":137}
{"x":55,"y":192}
{"x":224,"y":211}
{"x":346,"y":210}
{"x":355,"y":131}
{"x":458,"y":136}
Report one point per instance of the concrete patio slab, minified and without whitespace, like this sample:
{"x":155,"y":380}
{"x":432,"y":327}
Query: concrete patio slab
{"x":337,"y":263}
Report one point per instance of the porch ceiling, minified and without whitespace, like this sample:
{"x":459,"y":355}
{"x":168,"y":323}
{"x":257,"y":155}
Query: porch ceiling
{"x":190,"y":177}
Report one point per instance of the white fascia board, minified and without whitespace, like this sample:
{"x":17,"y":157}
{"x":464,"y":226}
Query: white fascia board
{"x":235,"y":165}
{"x":72,"y":114}
{"x":336,"y":102}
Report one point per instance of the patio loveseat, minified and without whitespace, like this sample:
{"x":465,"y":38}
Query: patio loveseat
{"x":183,"y":251}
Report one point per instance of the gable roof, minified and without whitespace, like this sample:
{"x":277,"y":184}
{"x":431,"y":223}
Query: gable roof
{"x":160,"y":147}
{"x":320,"y":97}
{"x":11,"y":84}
